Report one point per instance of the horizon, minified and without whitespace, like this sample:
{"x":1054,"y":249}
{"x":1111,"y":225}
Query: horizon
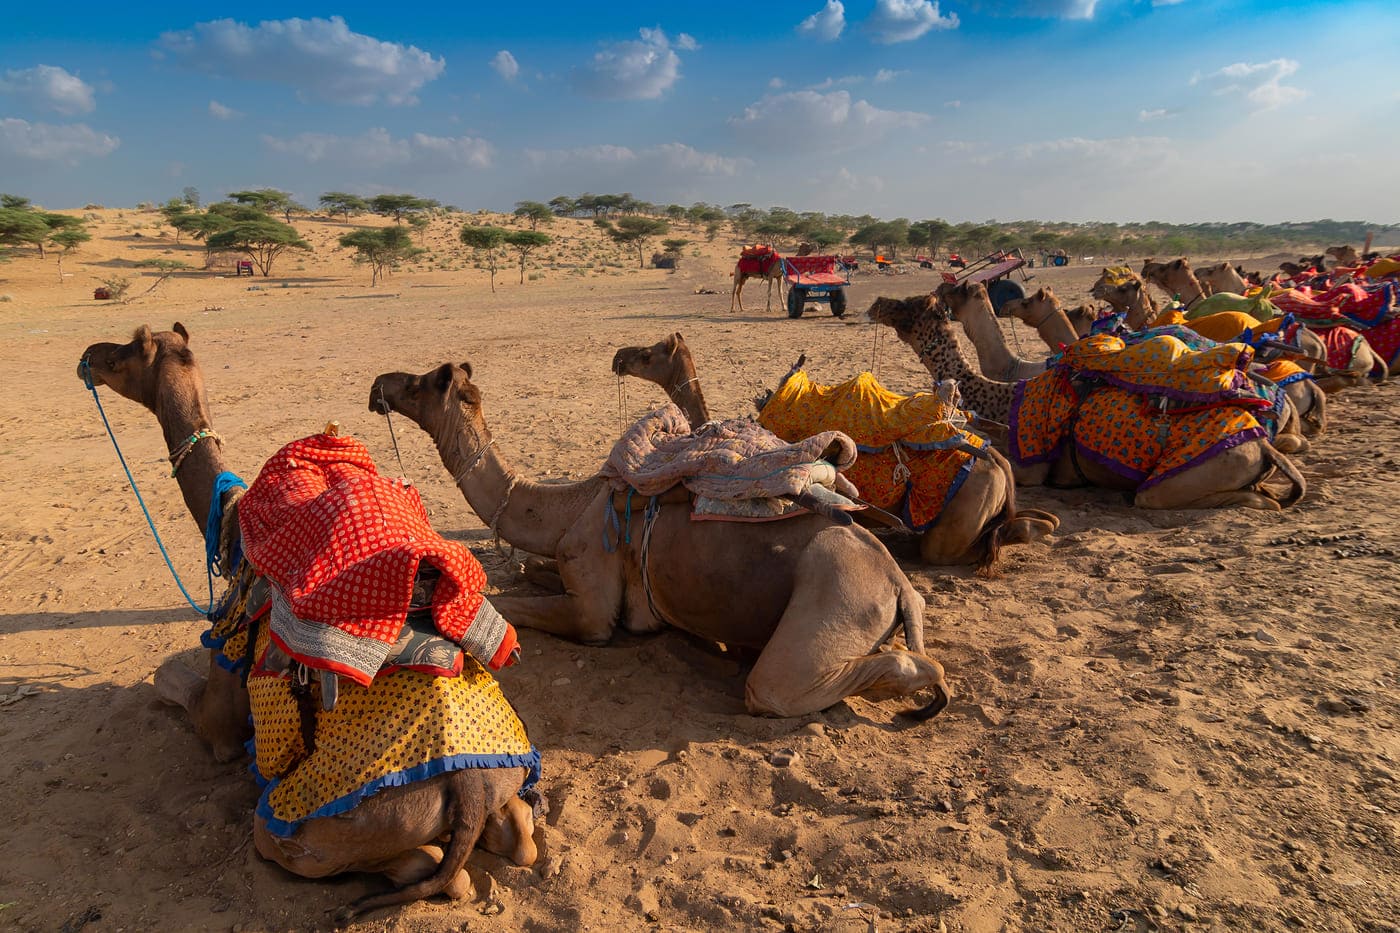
{"x":893,"y":108}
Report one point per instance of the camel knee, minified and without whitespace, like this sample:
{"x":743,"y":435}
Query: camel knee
{"x":292,"y":854}
{"x":1024,"y":529}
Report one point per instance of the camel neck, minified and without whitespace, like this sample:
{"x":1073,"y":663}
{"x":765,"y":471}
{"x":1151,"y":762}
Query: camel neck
{"x":1141,"y":312}
{"x":980,"y":324}
{"x":531,"y":516}
{"x":1055,"y":329}
{"x":181,"y":417}
{"x":683,"y":388}
{"x":989,"y":399}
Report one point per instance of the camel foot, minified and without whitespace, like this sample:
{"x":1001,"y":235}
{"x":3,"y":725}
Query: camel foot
{"x":1291,"y":444}
{"x":177,"y":685}
{"x":510,"y":833}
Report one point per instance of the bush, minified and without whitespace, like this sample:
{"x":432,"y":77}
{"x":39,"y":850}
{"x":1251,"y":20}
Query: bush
{"x":117,"y":286}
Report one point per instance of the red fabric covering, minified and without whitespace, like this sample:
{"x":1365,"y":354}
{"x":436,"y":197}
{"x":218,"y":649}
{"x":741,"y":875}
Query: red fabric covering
{"x":1384,"y":338}
{"x":814,"y":270}
{"x":758,"y":260}
{"x":344,"y":543}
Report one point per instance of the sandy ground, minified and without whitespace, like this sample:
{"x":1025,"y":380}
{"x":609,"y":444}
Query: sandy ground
{"x":1165,"y":720}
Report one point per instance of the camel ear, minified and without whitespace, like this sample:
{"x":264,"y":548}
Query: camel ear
{"x":184,"y":334}
{"x":1135,"y":285}
{"x":146,"y":343}
{"x":465,"y":367}
{"x":1040,"y":294}
{"x":1178,"y":263}
{"x":672,"y":342}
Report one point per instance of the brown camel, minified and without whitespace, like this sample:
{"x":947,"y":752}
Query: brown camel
{"x":983,"y":510}
{"x":1175,"y":278}
{"x":1346,"y":256}
{"x":972,"y":308}
{"x":1222,"y":277}
{"x":1130,"y":298}
{"x":395,"y":832}
{"x":669,"y":365}
{"x":1043,"y":312}
{"x":1232,"y":478}
{"x":818,"y":598}
{"x":768,"y":266}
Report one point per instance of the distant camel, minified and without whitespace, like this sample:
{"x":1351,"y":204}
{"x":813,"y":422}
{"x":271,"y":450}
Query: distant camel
{"x":757,"y":262}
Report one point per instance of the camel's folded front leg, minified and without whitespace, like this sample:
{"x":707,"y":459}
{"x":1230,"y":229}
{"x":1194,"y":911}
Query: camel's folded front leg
{"x":566,"y":616}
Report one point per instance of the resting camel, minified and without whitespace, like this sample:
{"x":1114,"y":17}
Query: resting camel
{"x":1222,"y":277}
{"x":770,"y":267}
{"x":818,"y":598}
{"x":1174,"y":278}
{"x":395,"y":832}
{"x":1130,"y":298}
{"x":1231,"y":478}
{"x":972,"y":308}
{"x":1346,"y":256}
{"x":1043,"y":312}
{"x":983,"y":510}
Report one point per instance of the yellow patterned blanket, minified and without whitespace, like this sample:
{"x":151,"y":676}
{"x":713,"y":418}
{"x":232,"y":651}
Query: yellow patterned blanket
{"x":913,"y":453}
{"x":1165,"y":367}
{"x":403,"y":728}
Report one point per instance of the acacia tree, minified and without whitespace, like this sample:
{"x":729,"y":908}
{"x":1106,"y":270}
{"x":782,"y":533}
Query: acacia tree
{"x":66,"y":240}
{"x":269,"y":201}
{"x":399,"y":206}
{"x":21,"y":227}
{"x":262,"y":240}
{"x":535,"y":212}
{"x":173,"y":210}
{"x":524,"y":242}
{"x":634,"y":230}
{"x":380,"y":249}
{"x":338,"y":202}
{"x":487,"y":241}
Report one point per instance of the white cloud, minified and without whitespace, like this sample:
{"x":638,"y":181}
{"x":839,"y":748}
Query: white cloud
{"x":1045,"y":9}
{"x":830,"y":83}
{"x":1146,"y":116}
{"x":952,"y":104}
{"x":826,"y":24}
{"x":776,"y":83}
{"x":885,"y":74}
{"x":505,"y":65}
{"x":686,"y":42}
{"x":793,"y":120}
{"x":1261,"y":84}
{"x":219,"y":112}
{"x":50,"y":88}
{"x":632,"y":70}
{"x":1167,"y":2}
{"x":319,"y":57}
{"x":673,"y":158}
{"x":48,"y":143}
{"x":377,"y":147}
{"x":1086,"y":157}
{"x":906,"y":20}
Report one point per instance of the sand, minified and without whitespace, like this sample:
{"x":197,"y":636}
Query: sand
{"x":1165,"y":720}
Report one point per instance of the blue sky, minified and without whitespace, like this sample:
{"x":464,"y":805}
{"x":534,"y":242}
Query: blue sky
{"x":1122,"y":110}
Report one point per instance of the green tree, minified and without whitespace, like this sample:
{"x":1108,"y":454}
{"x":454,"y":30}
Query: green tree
{"x":190,"y":195}
{"x":338,"y":202}
{"x":172,"y":211}
{"x":67,"y":239}
{"x":380,"y":248}
{"x":486,"y":241}
{"x":261,"y":240}
{"x":535,"y":212}
{"x":165,"y":268}
{"x":525,"y":242}
{"x":21,"y":227}
{"x":563,"y":206}
{"x":420,"y":224}
{"x":674,"y":246}
{"x":635,"y":230}
{"x":269,"y":201}
{"x":399,"y":206}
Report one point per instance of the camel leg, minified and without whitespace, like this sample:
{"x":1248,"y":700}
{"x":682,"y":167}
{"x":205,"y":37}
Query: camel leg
{"x":510,"y":832}
{"x":980,"y":499}
{"x":566,"y":616}
{"x":217,"y":705}
{"x":1220,"y":482}
{"x":592,"y":583}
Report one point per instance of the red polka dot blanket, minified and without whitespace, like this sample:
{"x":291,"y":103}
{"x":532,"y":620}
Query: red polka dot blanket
{"x":912,"y":457}
{"x":342,"y":546}
{"x":1142,"y":424}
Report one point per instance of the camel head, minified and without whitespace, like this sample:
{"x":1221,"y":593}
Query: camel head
{"x":441,"y":401}
{"x":654,"y":363}
{"x":914,"y":319}
{"x":1345,"y":255}
{"x":139,"y":370}
{"x":1174,"y":277}
{"x":1032,"y":306}
{"x":962,"y":296}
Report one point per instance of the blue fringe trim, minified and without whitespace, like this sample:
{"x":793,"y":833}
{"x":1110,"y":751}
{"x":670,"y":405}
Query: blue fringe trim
{"x":397,"y":779}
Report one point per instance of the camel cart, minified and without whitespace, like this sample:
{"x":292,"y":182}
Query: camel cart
{"x":816,"y":279}
{"x":994,"y":271}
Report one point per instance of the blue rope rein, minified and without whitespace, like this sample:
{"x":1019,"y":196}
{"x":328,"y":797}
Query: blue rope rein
{"x":212,"y":528}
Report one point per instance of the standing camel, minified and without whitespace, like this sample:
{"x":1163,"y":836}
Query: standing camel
{"x":1231,"y":478}
{"x":818,"y":598}
{"x":982,"y":510}
{"x":396,"y":831}
{"x":757,"y":263}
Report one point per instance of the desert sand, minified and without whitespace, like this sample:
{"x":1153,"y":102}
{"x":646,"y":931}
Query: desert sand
{"x":1165,"y":720}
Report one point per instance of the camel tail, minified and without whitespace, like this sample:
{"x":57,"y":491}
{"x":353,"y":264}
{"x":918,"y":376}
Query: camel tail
{"x":1295,"y":478}
{"x":911,"y":613}
{"x":1380,"y":372}
{"x":469,"y":819}
{"x":1317,"y":413}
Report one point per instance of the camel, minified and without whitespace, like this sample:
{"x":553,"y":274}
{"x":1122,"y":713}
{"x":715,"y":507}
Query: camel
{"x":1232,"y":478}
{"x":1346,"y":256}
{"x":972,"y":308}
{"x":1130,"y":298}
{"x":1222,"y":277}
{"x":395,"y":832}
{"x":768,"y":266}
{"x":1043,"y":312}
{"x":1175,"y":278}
{"x":816,"y":597}
{"x":669,"y":365}
{"x":969,"y":521}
